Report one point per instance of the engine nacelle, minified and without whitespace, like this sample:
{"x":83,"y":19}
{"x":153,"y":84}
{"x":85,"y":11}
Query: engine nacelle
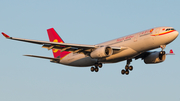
{"x":155,"y":57}
{"x":101,"y":52}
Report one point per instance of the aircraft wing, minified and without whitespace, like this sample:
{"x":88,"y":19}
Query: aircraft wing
{"x":61,"y":46}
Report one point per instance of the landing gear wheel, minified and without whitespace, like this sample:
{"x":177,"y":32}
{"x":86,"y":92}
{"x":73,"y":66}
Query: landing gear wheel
{"x":127,"y":67}
{"x":100,"y":65}
{"x":96,"y":65}
{"x":127,"y":72}
{"x":96,"y":69}
{"x":123,"y":72}
{"x":92,"y":69}
{"x":130,"y":68}
{"x":162,"y":52}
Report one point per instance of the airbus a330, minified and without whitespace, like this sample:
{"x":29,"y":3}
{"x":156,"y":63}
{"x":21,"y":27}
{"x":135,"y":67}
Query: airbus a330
{"x":129,"y":47}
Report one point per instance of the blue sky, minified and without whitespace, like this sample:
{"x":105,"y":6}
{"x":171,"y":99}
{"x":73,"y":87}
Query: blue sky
{"x":84,"y":22}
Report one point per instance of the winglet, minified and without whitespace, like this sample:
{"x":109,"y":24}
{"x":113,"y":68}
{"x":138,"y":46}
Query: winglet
{"x":5,"y":35}
{"x":171,"y":52}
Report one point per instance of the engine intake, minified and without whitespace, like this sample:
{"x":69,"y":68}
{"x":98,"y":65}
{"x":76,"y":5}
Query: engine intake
{"x":155,"y":57}
{"x":101,"y":52}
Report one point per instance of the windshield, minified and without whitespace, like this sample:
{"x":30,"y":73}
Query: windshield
{"x":168,"y":29}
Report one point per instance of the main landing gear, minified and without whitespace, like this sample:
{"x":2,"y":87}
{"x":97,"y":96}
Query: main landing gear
{"x":96,"y":68}
{"x":127,"y":68}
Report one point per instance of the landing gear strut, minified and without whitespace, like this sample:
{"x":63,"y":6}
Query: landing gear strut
{"x":162,"y":47}
{"x":127,"y":68}
{"x":96,"y":68}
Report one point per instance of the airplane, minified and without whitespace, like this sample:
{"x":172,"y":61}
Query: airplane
{"x":134,"y":46}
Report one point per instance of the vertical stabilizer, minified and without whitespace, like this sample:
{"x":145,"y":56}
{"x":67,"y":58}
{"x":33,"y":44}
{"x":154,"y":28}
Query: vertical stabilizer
{"x":54,"y":37}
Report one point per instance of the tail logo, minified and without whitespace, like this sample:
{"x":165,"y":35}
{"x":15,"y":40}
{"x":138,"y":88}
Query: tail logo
{"x":55,"y":50}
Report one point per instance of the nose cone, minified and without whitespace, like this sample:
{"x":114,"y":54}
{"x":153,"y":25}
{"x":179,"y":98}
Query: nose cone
{"x":173,"y":36}
{"x":176,"y":33}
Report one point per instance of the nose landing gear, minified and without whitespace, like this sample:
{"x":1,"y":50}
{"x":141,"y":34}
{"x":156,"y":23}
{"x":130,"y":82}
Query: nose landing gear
{"x":162,"y":47}
{"x":127,"y":68}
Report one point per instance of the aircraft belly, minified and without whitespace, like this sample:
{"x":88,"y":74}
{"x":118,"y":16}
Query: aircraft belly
{"x":78,"y":60}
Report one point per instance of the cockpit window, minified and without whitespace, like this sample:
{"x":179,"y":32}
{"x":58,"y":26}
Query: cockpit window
{"x":168,"y":29}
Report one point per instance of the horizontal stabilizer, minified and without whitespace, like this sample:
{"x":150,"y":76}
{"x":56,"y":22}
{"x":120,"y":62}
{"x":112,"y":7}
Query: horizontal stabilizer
{"x":170,"y":52}
{"x":43,"y":57}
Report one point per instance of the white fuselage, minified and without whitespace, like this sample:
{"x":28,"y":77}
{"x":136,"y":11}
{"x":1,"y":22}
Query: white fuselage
{"x":135,"y":44}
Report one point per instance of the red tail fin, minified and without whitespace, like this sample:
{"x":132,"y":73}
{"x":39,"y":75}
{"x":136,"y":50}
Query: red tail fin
{"x":171,"y":51}
{"x":54,"y":37}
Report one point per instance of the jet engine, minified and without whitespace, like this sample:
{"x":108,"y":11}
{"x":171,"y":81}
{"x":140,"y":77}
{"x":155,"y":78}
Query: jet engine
{"x":101,"y":52}
{"x":155,"y":57}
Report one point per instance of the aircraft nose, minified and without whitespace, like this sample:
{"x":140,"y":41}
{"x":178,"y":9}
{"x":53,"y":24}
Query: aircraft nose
{"x":176,"y":34}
